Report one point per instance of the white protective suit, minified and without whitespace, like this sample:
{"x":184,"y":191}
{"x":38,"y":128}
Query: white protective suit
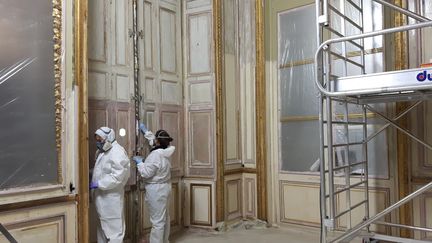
{"x":111,"y":172}
{"x":156,"y":171}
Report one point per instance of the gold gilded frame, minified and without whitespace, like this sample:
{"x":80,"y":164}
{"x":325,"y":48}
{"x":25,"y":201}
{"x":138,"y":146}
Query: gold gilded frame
{"x":57,"y":38}
{"x":80,"y":77}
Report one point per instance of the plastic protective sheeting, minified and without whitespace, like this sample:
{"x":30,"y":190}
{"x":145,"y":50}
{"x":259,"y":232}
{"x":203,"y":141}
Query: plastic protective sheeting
{"x":28,"y":155}
{"x":299,"y":138}
{"x":298,"y":95}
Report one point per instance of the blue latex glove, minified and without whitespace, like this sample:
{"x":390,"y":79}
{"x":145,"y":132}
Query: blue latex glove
{"x":143,"y":128}
{"x":138,"y":159}
{"x":94,"y":185}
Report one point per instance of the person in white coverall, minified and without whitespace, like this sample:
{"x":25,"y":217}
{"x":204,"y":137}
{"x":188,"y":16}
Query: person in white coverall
{"x":110,"y":174}
{"x":156,"y":173}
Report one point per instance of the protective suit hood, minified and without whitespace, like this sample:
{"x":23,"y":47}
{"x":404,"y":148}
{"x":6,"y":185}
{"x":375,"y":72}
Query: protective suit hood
{"x":106,"y":133}
{"x":167,"y":152}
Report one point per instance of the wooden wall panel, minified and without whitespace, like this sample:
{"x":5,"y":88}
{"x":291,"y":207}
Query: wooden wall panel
{"x":98,"y":117}
{"x":233,"y":198}
{"x":191,"y":4}
{"x":422,"y":214}
{"x":53,"y":223}
{"x":249,"y":195}
{"x":426,"y":215}
{"x":201,"y":93}
{"x":122,"y":15}
{"x":379,"y":200}
{"x":201,"y":204}
{"x":168,"y":45}
{"x":97,"y":31}
{"x":199,"y":46}
{"x":200,"y":88}
{"x":304,"y":207}
{"x":98,"y":85}
{"x":171,"y":121}
{"x":44,"y":230}
{"x":199,"y":201}
{"x":171,"y":93}
{"x":125,"y":119}
{"x":200,"y":139}
{"x":148,"y":35}
{"x":123,"y":88}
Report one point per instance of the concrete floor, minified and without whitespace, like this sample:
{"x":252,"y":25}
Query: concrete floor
{"x":285,"y":234}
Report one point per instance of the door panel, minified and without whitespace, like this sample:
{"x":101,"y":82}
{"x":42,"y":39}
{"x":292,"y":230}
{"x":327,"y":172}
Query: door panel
{"x":294,"y":141}
{"x":161,"y":89}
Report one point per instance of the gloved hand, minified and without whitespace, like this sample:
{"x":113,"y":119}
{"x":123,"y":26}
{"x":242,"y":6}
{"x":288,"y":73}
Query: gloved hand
{"x":94,"y":185}
{"x":138,"y":159}
{"x":143,"y":128}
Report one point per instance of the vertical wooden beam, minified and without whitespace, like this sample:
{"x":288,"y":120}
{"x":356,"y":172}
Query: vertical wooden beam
{"x":217,"y":35}
{"x":403,"y":160}
{"x":80,"y":68}
{"x":261,"y":152}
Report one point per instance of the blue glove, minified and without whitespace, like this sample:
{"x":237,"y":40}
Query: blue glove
{"x":138,"y":159}
{"x":94,"y":185}
{"x":143,"y":128}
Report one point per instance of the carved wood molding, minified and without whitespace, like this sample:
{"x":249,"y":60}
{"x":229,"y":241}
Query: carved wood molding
{"x":261,"y":151}
{"x":80,"y":75}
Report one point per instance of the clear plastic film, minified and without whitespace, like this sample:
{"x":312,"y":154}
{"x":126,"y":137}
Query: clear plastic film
{"x":298,"y":94}
{"x":299,"y":130}
{"x":28,"y":155}
{"x":352,"y":134}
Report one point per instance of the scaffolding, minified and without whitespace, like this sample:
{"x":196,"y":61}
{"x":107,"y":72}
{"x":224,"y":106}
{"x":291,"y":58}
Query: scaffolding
{"x":341,"y":32}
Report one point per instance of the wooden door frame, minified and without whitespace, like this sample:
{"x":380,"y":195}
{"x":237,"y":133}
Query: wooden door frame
{"x":81,"y":74}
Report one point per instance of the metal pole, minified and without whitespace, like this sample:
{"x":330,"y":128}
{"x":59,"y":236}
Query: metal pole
{"x":400,"y":128}
{"x":6,"y":234}
{"x":323,"y":212}
{"x":137,"y":99}
{"x":365,"y":165}
{"x":383,"y":213}
{"x":404,"y":226}
{"x":404,"y":11}
{"x":395,"y":119}
{"x":325,"y":45}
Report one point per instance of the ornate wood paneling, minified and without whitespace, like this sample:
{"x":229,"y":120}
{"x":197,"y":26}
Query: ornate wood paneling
{"x":199,"y":43}
{"x":304,"y":207}
{"x":171,"y":92}
{"x":121,"y":20}
{"x":201,"y":92}
{"x":379,"y":200}
{"x":98,"y":116}
{"x":200,"y":138}
{"x":171,"y":120}
{"x":199,"y":87}
{"x":201,"y":204}
{"x":191,"y":4}
{"x":168,"y":45}
{"x":148,"y":39}
{"x":51,"y":223}
{"x":233,"y":197}
{"x":97,"y":31}
{"x":249,"y":195}
{"x":98,"y":85}
{"x":426,"y":215}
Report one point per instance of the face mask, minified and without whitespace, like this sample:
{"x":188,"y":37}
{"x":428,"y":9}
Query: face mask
{"x":151,"y":142}
{"x":100,"y":145}
{"x":103,"y":146}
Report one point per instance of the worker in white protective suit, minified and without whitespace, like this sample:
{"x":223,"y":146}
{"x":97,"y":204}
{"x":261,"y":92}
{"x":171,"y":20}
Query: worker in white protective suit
{"x":156,"y":173}
{"x":110,"y":174}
